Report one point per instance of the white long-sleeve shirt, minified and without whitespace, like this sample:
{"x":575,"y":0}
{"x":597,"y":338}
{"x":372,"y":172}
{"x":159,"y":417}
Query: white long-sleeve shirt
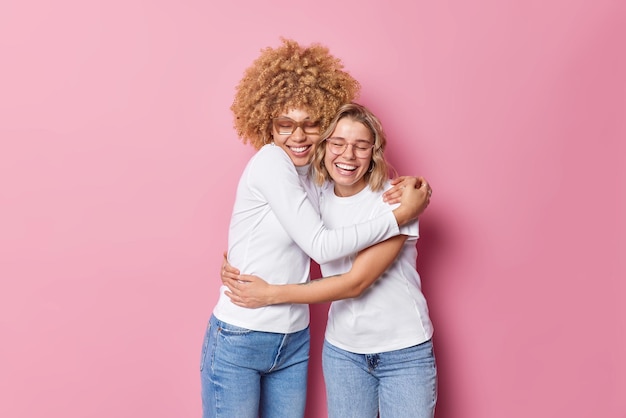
{"x":275,"y":229}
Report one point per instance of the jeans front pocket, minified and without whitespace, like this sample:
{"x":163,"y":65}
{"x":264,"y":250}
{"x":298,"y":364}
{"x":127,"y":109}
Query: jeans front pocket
{"x":205,"y":345}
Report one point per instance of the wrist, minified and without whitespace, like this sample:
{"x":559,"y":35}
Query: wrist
{"x":401,"y":214}
{"x":276,"y":294}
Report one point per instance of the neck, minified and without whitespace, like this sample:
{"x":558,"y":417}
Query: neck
{"x":347,"y":191}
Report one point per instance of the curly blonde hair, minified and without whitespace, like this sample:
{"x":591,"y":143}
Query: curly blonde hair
{"x":379,"y":169}
{"x":290,"y":77}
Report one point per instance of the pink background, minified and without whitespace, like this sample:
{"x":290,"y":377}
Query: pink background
{"x":118,"y":165}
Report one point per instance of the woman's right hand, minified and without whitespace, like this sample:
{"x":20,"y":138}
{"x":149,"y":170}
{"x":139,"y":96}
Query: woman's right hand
{"x":415,"y":199}
{"x":228,"y":272}
{"x":248,"y":291}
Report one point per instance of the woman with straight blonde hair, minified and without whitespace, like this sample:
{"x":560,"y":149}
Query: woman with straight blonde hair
{"x":378,"y":356}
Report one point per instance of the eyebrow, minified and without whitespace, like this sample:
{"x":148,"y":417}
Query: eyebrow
{"x":287,"y":117}
{"x":358,"y":140}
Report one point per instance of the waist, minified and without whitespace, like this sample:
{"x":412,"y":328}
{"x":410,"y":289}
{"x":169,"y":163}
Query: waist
{"x":285,"y":318}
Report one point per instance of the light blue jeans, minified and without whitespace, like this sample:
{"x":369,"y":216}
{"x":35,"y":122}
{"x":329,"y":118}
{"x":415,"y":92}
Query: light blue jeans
{"x":399,"y":384}
{"x":250,"y":374}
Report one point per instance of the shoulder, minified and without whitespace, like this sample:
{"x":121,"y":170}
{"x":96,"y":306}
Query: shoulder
{"x":271,"y":158}
{"x":377,"y":196}
{"x":386,"y":186}
{"x":271,"y":152}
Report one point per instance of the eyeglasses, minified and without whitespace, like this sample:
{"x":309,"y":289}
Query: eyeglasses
{"x":360,"y":149}
{"x":287,"y":126}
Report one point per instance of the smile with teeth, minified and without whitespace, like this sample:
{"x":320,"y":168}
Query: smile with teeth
{"x":300,"y":149}
{"x":345,"y":167}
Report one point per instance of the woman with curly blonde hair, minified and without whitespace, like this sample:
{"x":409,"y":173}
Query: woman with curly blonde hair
{"x":254,"y":361}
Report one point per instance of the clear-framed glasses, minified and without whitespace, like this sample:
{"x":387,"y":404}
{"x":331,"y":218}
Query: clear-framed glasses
{"x":287,"y":126}
{"x":360,"y":149}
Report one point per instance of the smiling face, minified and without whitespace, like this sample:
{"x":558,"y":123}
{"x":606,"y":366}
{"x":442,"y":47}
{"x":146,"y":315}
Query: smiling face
{"x":347,"y":169}
{"x":300,"y":143}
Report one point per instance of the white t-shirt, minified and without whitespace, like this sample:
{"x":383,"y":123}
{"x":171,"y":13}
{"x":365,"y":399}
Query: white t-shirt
{"x":392,"y":313}
{"x":274,"y":230}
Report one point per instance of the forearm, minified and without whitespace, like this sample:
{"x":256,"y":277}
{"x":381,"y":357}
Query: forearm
{"x":325,"y":289}
{"x":251,"y":291}
{"x":403,"y":215}
{"x":369,"y":265}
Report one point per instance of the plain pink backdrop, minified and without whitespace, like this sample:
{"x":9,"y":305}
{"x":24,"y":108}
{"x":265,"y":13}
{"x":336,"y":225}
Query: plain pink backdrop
{"x":118,"y":166}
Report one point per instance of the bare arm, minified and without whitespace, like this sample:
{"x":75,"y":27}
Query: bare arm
{"x":253,"y":292}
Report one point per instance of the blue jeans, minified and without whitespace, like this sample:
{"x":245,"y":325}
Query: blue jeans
{"x":400,"y":383}
{"x":247,"y":374}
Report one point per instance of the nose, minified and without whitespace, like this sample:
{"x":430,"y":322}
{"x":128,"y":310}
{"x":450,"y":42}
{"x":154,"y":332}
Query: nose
{"x":348,"y":153}
{"x":298,"y":134}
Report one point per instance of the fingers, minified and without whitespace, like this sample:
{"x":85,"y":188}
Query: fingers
{"x":228,"y":276}
{"x":229,"y":282}
{"x":398,"y":180}
{"x":233,"y":298}
{"x":240,"y":301}
{"x":227,"y":268}
{"x":423,"y":184}
{"x":410,"y":181}
{"x":426,"y":188}
{"x":392,"y":195}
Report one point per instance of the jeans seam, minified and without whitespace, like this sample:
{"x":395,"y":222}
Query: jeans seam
{"x":205,"y":346}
